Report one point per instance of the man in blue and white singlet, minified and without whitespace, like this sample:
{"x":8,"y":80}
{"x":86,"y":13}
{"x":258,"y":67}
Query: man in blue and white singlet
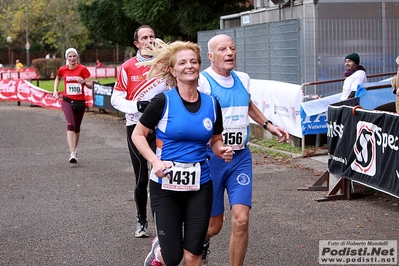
{"x":231,"y":89}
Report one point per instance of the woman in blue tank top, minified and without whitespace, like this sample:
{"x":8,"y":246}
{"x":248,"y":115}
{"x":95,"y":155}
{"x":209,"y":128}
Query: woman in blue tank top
{"x":185,"y":121}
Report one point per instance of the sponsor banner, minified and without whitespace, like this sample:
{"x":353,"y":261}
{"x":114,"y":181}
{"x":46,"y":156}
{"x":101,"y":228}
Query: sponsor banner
{"x":369,"y":95}
{"x":364,"y":147}
{"x":315,"y":124}
{"x":314,"y":114}
{"x":26,"y":73}
{"x":24,"y":91}
{"x":102,"y":95}
{"x":8,"y":89}
{"x":279,"y":102}
{"x":358,"y":252}
{"x":30,"y":73}
{"x":102,"y":72}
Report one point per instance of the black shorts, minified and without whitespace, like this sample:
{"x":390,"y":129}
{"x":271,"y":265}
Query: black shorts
{"x":177,"y":214}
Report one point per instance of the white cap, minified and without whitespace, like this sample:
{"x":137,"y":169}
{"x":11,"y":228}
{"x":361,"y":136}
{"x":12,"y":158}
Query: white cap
{"x":70,"y":50}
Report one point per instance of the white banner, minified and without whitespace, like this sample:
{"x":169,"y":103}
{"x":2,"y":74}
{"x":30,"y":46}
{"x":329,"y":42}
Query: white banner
{"x":279,"y":102}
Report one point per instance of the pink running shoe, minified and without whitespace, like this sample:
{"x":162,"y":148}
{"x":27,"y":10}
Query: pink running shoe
{"x":151,"y":259}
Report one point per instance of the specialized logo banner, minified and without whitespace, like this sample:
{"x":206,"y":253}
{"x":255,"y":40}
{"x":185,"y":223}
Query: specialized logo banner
{"x":363,"y":147}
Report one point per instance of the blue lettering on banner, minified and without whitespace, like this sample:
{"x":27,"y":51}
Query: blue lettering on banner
{"x":315,"y":124}
{"x":99,"y":100}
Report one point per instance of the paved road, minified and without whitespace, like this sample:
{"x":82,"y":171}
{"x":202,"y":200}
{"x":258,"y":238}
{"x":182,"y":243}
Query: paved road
{"x":55,"y":214}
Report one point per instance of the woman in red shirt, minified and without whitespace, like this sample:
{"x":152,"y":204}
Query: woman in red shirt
{"x":75,"y":77}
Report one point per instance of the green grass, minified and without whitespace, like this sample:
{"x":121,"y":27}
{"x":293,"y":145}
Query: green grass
{"x":270,"y":153}
{"x":273,"y":144}
{"x":48,"y":85}
{"x":273,"y":148}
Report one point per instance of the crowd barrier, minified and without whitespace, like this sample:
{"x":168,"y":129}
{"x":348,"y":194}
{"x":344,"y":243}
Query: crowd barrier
{"x":30,"y":73}
{"x":362,"y":143}
{"x":363,"y":147}
{"x":26,"y":73}
{"x":280,"y":102}
{"x":23,"y":91}
{"x":359,"y":146}
{"x":103,"y":72}
{"x":313,"y":113}
{"x":17,"y":86}
{"x":102,"y":96}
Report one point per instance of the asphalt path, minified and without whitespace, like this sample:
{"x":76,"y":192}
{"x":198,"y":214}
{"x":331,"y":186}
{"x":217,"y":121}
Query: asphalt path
{"x":52,"y":213}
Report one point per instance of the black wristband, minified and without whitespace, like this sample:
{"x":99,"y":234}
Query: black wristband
{"x":266,"y":123}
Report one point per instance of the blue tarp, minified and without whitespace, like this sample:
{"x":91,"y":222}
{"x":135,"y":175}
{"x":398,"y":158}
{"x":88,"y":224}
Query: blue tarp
{"x":314,"y":113}
{"x":371,"y":98}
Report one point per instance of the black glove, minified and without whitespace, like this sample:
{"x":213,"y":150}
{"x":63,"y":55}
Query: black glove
{"x":141,"y":105}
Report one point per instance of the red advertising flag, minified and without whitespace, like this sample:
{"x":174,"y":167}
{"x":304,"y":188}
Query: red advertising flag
{"x":22,"y":90}
{"x":8,"y":90}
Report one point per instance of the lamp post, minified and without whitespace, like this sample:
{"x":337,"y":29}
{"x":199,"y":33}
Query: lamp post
{"x":9,"y":41}
{"x":27,"y":46}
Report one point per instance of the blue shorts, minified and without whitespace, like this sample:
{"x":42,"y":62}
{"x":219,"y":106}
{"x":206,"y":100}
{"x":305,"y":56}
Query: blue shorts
{"x":234,"y":177}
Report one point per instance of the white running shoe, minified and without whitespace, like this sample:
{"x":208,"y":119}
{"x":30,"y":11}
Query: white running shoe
{"x":73,"y":158}
{"x":142,"y":230}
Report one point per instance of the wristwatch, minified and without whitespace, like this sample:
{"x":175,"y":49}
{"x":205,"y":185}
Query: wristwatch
{"x":84,"y":82}
{"x":266,"y":123}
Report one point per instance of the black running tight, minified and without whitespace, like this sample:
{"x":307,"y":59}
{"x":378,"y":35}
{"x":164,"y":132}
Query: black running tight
{"x":140,"y":168}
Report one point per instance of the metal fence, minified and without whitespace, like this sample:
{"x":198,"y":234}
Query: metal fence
{"x":312,"y":49}
{"x":327,"y":41}
{"x":268,"y":51}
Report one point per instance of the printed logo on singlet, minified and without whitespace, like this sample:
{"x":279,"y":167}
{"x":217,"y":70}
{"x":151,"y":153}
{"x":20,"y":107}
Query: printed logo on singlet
{"x":137,"y":78}
{"x":207,"y":124}
{"x":72,"y":78}
{"x":146,"y":89}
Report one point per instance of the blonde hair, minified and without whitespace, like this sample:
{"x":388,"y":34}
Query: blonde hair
{"x":165,"y":59}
